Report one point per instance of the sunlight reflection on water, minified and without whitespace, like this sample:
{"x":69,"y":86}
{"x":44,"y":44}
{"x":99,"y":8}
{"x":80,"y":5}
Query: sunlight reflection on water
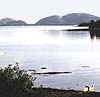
{"x":37,"y":47}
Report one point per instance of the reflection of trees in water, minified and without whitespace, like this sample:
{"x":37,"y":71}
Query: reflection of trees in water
{"x":76,"y":34}
{"x":95,"y":34}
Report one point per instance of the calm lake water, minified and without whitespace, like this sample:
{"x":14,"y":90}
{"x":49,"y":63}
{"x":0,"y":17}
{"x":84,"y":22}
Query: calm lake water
{"x":36,"y":47}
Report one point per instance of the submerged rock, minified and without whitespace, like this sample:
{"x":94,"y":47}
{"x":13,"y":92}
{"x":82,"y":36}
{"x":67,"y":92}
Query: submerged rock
{"x":43,"y":68}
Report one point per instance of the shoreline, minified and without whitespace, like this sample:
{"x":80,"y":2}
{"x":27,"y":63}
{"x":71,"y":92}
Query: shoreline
{"x":76,"y":30}
{"x":49,"y":92}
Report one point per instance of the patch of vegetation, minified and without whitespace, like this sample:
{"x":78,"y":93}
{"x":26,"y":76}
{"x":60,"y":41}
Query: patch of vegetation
{"x":15,"y":82}
{"x":91,"y":24}
{"x":84,"y":24}
{"x":94,"y":24}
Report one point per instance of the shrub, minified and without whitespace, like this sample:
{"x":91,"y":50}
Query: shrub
{"x":15,"y":82}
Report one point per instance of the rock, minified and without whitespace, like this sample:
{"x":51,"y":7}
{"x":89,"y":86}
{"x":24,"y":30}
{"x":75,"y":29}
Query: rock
{"x":43,"y":68}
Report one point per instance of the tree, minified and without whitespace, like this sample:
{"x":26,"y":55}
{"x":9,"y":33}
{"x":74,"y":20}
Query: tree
{"x":15,"y":82}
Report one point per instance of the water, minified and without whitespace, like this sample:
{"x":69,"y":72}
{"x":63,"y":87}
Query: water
{"x":36,"y":47}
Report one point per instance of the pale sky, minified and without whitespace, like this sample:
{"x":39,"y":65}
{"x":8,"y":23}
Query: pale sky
{"x":33,"y":10}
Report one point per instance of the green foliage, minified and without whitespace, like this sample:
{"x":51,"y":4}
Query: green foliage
{"x":15,"y":82}
{"x":94,"y":24}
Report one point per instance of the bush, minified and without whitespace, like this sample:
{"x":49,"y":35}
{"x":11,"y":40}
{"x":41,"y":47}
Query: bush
{"x":15,"y":82}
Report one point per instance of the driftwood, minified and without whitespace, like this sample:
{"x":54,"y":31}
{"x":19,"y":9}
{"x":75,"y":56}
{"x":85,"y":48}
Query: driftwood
{"x":52,"y":73}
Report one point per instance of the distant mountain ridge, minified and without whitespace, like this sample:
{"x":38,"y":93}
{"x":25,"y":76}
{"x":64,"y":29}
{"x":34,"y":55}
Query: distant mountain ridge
{"x":55,"y":19}
{"x":11,"y":22}
{"x":70,"y":19}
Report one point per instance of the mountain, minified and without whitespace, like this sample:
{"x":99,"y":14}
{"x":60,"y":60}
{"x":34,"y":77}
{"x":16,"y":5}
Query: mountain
{"x":69,"y":19}
{"x":11,"y":22}
{"x":51,"y":20}
{"x":77,"y":18}
{"x":72,"y":19}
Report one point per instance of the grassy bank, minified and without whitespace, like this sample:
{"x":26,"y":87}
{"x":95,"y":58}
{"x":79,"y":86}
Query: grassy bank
{"x":48,"y":92}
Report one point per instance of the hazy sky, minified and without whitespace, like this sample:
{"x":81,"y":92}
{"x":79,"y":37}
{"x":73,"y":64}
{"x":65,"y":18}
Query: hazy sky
{"x":32,"y":10}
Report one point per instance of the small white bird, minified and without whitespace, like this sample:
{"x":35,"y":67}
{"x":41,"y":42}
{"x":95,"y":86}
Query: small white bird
{"x":89,"y":88}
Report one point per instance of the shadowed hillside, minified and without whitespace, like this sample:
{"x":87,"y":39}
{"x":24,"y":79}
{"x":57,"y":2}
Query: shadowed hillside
{"x":72,"y":19}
